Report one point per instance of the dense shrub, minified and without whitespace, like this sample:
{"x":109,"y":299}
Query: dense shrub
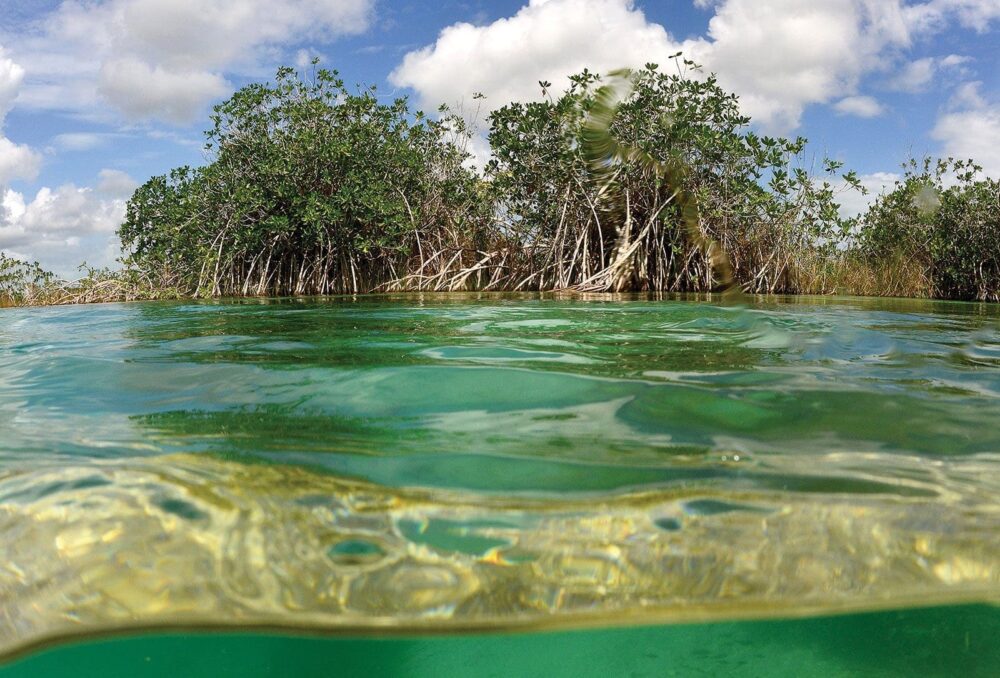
{"x":645,"y":180}
{"x":945,"y":218}
{"x":18,"y":279}
{"x":676,"y":168}
{"x":25,"y":283}
{"x":312,"y":189}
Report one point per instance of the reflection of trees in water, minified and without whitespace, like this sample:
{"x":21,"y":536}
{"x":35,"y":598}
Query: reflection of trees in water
{"x":610,"y":339}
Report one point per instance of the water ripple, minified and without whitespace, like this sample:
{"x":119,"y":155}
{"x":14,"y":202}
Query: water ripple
{"x":472,"y":461}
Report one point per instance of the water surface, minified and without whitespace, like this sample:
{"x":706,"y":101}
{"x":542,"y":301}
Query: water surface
{"x":468,"y":462}
{"x":939,"y":642}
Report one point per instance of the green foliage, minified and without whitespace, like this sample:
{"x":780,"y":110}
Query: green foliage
{"x":312,"y":189}
{"x":644,"y":180}
{"x":943,"y":216}
{"x":28,"y":284}
{"x":668,"y":137}
{"x":19,"y":278}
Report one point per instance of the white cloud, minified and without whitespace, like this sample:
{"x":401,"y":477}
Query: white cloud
{"x":17,"y":161}
{"x":860,"y":106}
{"x":936,"y":14}
{"x":78,"y":141}
{"x":968,"y":95}
{"x":141,"y":91}
{"x":780,"y":56}
{"x":971,"y":129}
{"x":11,"y":76}
{"x":195,"y":34}
{"x":853,"y":202}
{"x":56,"y":214}
{"x":60,"y":227}
{"x":917,"y":76}
{"x":784,"y":55}
{"x":166,"y":59}
{"x":115,"y":183}
{"x":545,"y":40}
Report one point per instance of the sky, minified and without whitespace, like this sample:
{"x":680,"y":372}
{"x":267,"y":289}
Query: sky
{"x":97,"y":96}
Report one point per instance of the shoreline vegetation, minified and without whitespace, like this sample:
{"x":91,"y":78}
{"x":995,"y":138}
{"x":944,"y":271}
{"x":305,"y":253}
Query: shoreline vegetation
{"x":640,"y":181}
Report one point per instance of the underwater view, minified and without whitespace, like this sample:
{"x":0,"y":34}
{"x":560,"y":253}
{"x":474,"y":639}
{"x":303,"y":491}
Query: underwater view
{"x":634,"y":485}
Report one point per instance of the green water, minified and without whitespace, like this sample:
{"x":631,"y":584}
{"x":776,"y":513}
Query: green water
{"x":450,"y":464}
{"x":940,"y":642}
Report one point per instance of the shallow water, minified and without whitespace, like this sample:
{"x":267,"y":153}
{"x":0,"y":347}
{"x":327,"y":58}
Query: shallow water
{"x":941,"y":642}
{"x":459,"y":463}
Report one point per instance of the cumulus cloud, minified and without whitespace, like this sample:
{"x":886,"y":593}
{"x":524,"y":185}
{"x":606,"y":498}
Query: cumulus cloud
{"x":860,"y":106}
{"x":853,"y":202}
{"x":545,"y":40}
{"x":936,"y":14}
{"x":17,"y":161}
{"x":58,"y":213}
{"x":115,"y":183}
{"x":141,"y":91}
{"x":215,"y":33}
{"x":917,"y":76}
{"x":11,"y":76}
{"x":784,"y":55}
{"x":780,"y":56}
{"x":167,"y":59}
{"x":60,"y":227}
{"x":971,"y":129}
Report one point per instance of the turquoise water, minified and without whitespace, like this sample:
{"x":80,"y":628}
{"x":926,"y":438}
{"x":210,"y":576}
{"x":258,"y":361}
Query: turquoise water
{"x":901,"y":644}
{"x":461,"y":463}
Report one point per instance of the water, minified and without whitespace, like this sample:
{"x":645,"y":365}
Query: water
{"x":410,"y":465}
{"x":899,"y":644}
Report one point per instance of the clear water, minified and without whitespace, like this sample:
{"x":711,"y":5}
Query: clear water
{"x":432,"y":465}
{"x":941,"y":642}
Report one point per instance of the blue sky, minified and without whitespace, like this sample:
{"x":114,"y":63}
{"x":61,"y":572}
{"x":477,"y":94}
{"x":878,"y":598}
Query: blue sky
{"x":96,"y":96}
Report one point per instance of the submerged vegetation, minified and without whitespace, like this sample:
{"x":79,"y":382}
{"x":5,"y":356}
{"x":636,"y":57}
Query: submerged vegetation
{"x":649,"y":180}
